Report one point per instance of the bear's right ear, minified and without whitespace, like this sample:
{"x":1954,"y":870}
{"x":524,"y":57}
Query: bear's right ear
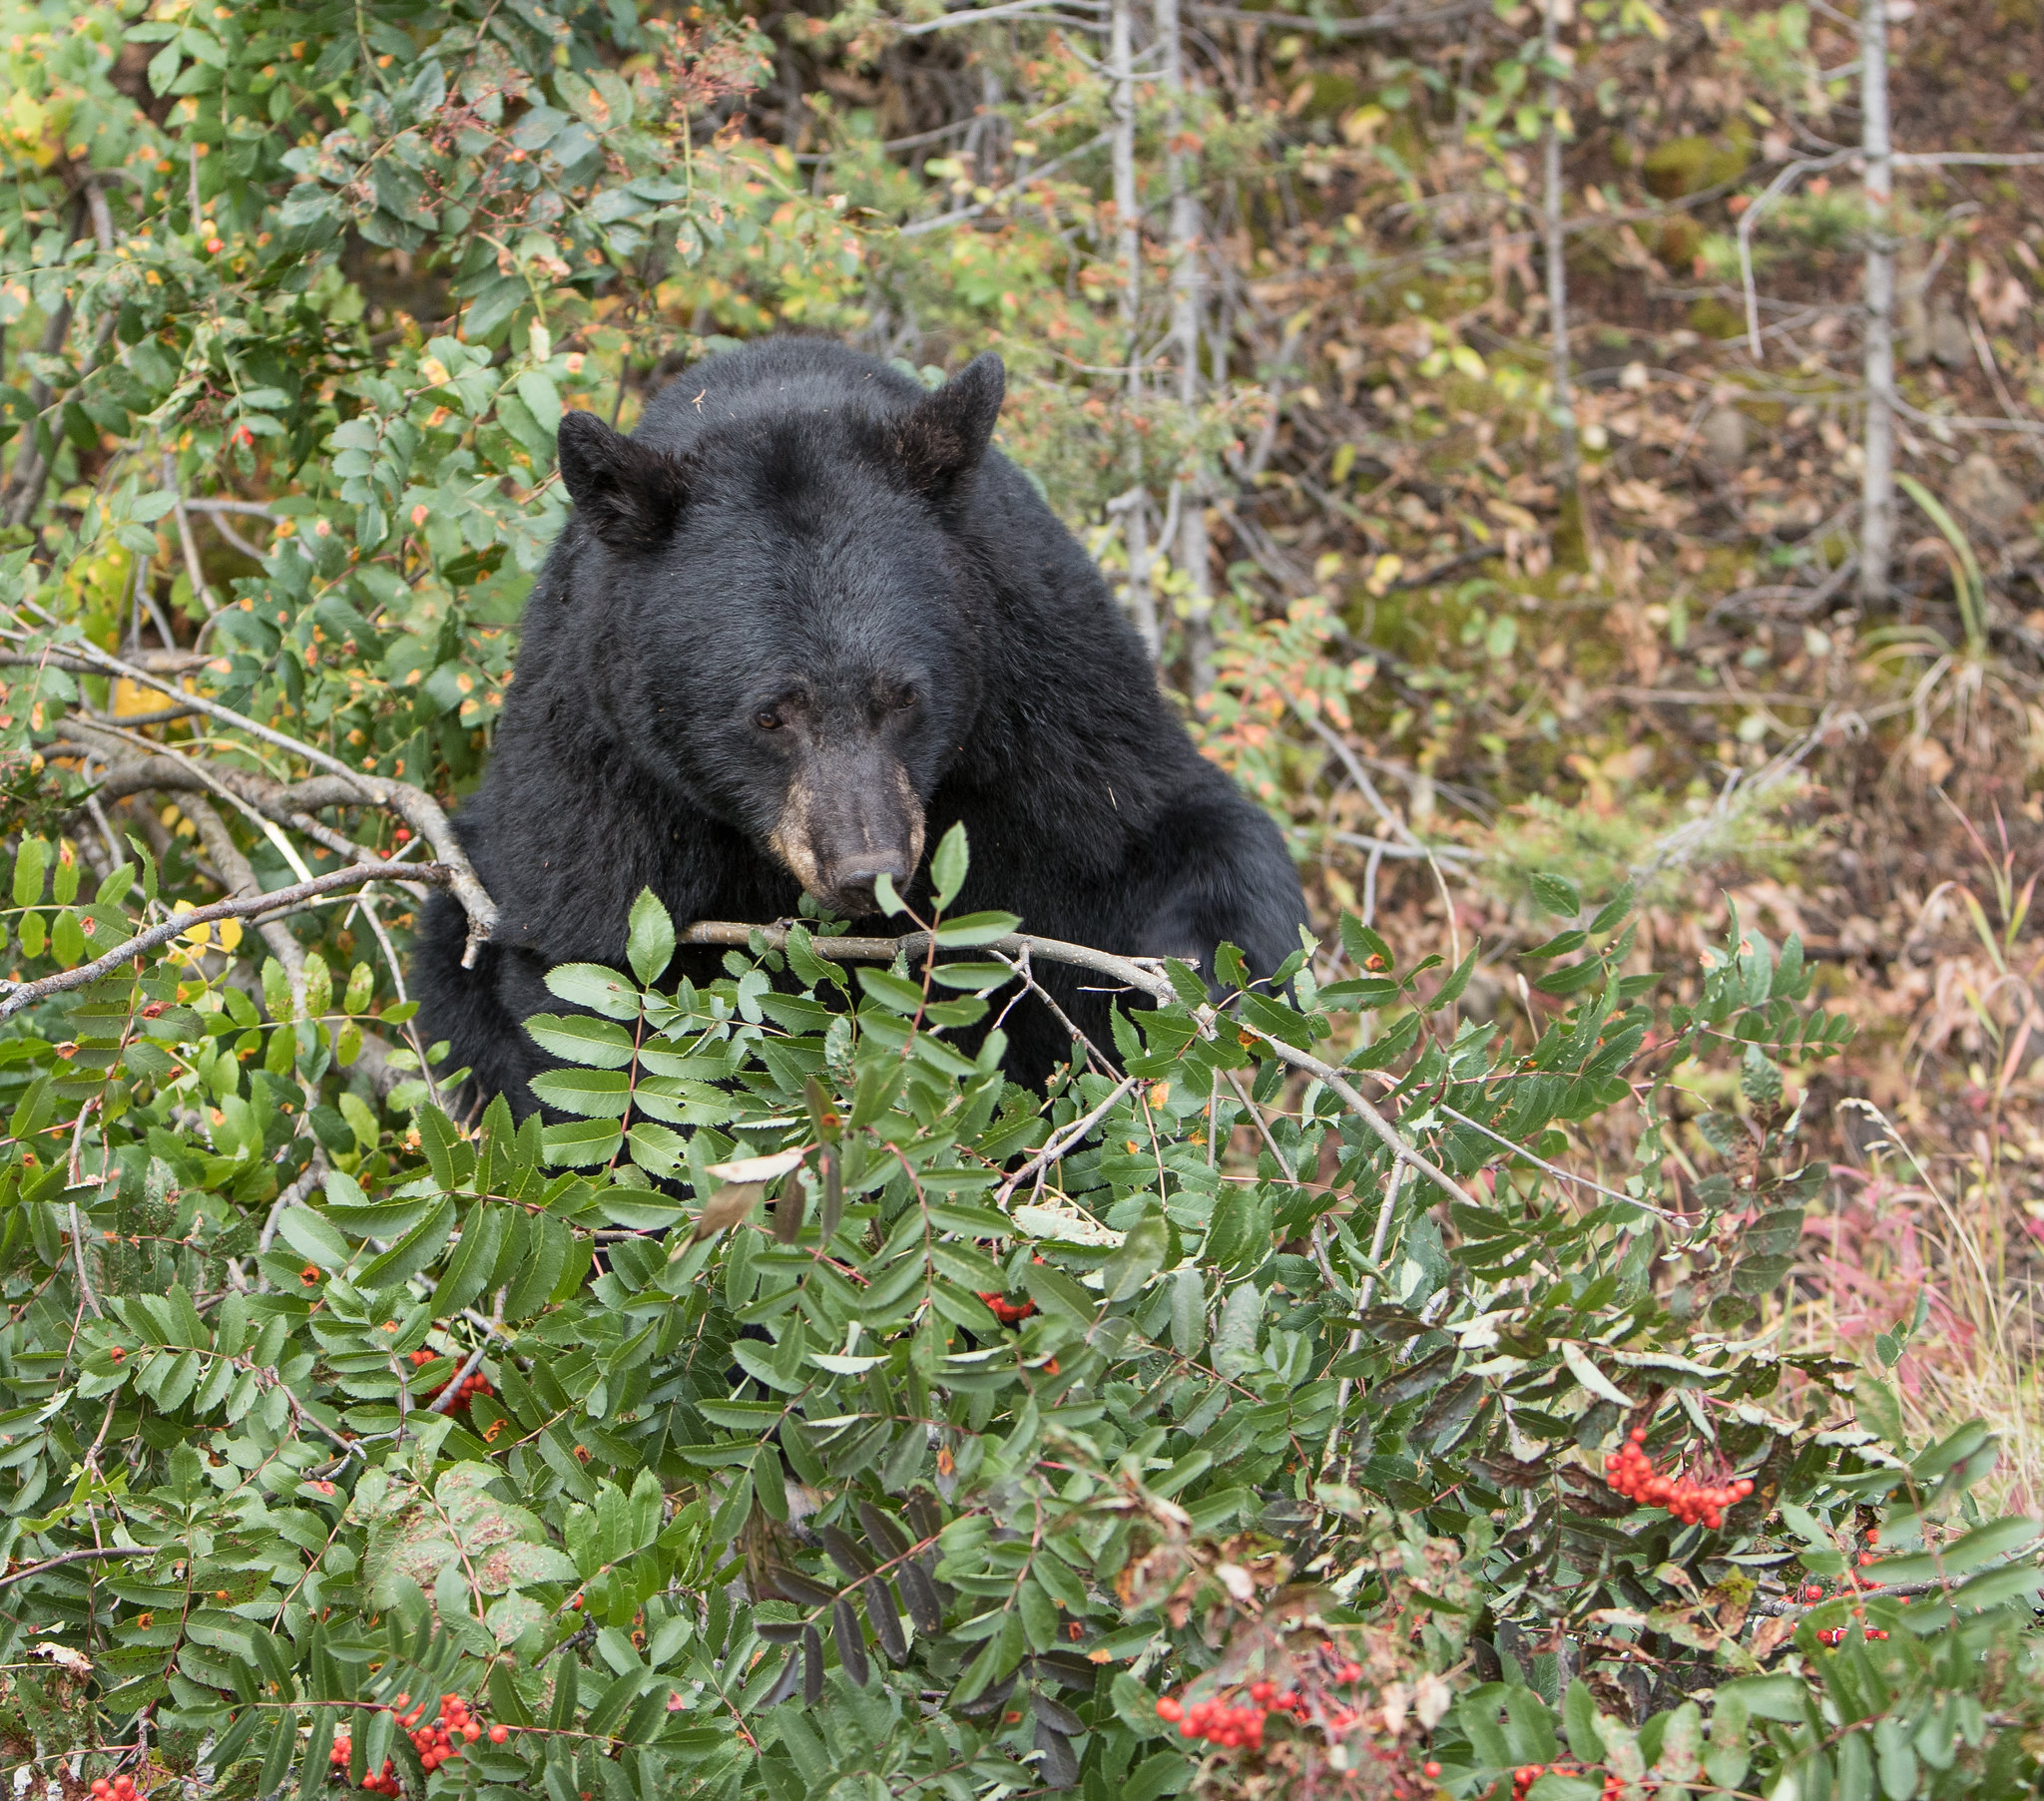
{"x":629,"y":493}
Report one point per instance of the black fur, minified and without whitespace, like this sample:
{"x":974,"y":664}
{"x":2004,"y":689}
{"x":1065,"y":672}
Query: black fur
{"x":798,"y":534}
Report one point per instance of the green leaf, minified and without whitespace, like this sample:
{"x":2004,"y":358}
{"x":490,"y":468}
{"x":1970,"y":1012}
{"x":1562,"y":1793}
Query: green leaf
{"x":313,"y":1238}
{"x":889,"y":903}
{"x":1579,"y":1719}
{"x":1458,"y":979}
{"x":1881,"y":1412}
{"x":597,"y":1044}
{"x":949,"y":864}
{"x":1140,"y":1256}
{"x":592,"y":986}
{"x":970,"y":929}
{"x":30,"y":860}
{"x":649,"y":945}
{"x":1557,"y":895}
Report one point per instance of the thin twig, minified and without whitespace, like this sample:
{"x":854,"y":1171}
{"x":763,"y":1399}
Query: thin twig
{"x":84,"y":1554}
{"x":1567,"y":1175}
{"x":1335,"y":742}
{"x":980,"y":15}
{"x":1370,"y":1116}
{"x":1059,"y":1143}
{"x":1387,"y":1209}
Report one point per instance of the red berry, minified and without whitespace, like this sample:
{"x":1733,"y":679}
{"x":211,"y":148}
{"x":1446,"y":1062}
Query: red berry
{"x":1433,"y":1769}
{"x":498,"y":1734}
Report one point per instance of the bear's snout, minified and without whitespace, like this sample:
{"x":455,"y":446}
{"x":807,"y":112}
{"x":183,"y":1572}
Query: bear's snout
{"x":847,"y":822}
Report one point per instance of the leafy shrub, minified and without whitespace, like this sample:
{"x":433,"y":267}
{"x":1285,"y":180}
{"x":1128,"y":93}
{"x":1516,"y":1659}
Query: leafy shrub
{"x":849,"y":1417}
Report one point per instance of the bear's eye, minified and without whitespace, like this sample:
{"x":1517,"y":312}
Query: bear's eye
{"x":767,"y":720}
{"x":904,"y":700}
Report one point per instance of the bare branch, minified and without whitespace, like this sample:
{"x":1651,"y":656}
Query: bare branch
{"x":15,"y":996}
{"x":414,"y":806}
{"x":83,"y":1555}
{"x":1391,"y":19}
{"x":1144,"y":973}
{"x":980,"y":15}
{"x":1966,"y":159}
{"x":1061,"y":1142}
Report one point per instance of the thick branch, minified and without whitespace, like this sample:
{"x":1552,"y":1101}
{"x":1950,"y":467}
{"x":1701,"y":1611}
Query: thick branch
{"x":291,"y":804}
{"x":240,"y":877}
{"x":15,"y":996}
{"x":414,"y":806}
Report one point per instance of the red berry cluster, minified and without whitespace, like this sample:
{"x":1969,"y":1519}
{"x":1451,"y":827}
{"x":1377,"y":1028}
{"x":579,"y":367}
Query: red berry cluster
{"x":1835,"y":1636}
{"x":1230,"y":1723}
{"x":1237,"y":1721}
{"x":1527,"y":1774}
{"x":447,"y":1737}
{"x":1631,"y":1472}
{"x":475,"y":1383}
{"x":121,"y":1788}
{"x":1006,"y":1311}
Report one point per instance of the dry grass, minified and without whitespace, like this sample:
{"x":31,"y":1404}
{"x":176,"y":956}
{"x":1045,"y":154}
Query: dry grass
{"x":1936,"y":1213}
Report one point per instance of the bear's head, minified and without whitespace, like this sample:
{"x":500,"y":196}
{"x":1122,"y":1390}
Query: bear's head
{"x":793,"y":620}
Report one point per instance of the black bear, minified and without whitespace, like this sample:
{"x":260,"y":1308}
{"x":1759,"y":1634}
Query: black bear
{"x":799,"y":622}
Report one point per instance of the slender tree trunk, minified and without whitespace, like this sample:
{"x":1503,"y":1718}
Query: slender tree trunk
{"x":1121,"y":68}
{"x":1128,"y":219}
{"x":1185,"y":336}
{"x":1556,"y":248}
{"x":1878,"y":489}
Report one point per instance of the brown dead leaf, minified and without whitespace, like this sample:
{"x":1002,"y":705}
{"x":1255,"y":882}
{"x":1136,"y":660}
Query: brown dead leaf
{"x":728,"y":1207}
{"x":1770,"y":1636}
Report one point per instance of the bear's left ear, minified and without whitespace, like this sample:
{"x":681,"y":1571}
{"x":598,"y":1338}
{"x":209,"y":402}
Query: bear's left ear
{"x":944,"y":435}
{"x":630,"y":492}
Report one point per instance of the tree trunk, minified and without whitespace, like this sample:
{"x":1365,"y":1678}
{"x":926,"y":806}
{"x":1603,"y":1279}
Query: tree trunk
{"x":1128,"y":218}
{"x":1556,"y":249}
{"x":1121,"y":68}
{"x":1877,"y":487}
{"x":1185,"y":338}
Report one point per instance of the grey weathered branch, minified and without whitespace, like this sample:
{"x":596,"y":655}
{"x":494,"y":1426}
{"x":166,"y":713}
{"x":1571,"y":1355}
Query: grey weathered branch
{"x":284,"y":803}
{"x":15,"y":996}
{"x":1144,"y":973}
{"x":1391,"y":19}
{"x":239,"y":875}
{"x":413,"y":806}
{"x":84,"y":1554}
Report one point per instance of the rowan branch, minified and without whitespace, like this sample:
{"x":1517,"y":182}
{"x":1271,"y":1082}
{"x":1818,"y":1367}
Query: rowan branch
{"x":1143,"y":973}
{"x":1369,"y":1115}
{"x":15,"y":996}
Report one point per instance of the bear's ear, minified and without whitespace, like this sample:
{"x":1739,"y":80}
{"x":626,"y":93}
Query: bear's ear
{"x":631,"y":492}
{"x":944,"y":435}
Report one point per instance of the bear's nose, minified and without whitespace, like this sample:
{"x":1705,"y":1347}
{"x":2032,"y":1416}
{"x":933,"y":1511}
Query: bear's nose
{"x":853,"y":884}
